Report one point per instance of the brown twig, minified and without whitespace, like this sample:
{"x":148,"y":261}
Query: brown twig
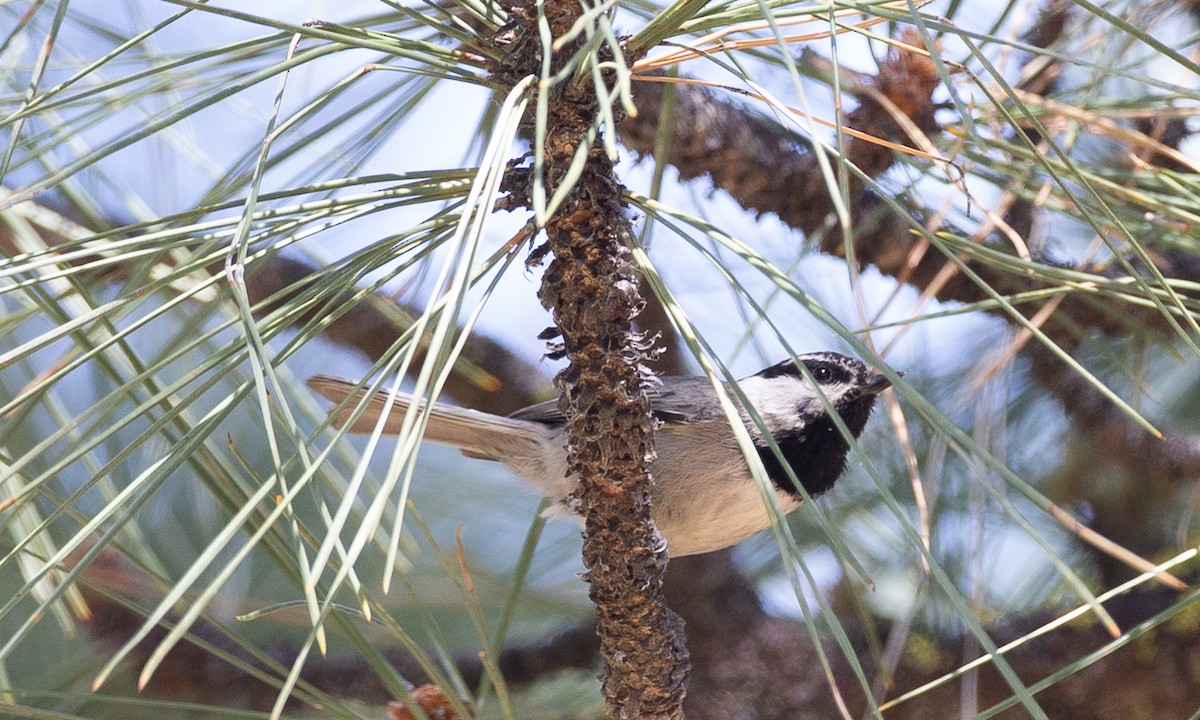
{"x":590,"y":287}
{"x":770,"y":171}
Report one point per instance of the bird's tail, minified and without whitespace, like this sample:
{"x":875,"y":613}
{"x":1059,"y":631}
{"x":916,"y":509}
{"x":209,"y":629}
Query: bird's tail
{"x":476,"y":433}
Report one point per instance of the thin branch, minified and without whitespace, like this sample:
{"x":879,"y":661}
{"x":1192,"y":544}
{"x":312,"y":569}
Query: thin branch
{"x":591,"y":288}
{"x":770,"y":171}
{"x":369,"y":326}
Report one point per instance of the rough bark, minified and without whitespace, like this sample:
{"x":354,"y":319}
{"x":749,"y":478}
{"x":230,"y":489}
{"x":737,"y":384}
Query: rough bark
{"x":591,"y":289}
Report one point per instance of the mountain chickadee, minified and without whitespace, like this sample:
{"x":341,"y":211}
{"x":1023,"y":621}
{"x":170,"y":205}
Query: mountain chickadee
{"x":704,"y":496}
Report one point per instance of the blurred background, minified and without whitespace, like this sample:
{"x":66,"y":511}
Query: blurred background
{"x":203,"y":204}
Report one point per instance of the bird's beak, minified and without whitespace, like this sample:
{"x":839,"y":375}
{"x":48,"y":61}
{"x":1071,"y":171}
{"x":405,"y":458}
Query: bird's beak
{"x":878,"y":384}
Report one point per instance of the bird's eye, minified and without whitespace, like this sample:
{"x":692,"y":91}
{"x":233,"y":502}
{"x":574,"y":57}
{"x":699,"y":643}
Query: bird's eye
{"x":822,"y":374}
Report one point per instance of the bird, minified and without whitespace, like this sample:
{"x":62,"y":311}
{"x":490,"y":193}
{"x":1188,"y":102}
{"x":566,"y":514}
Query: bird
{"x":704,"y":496}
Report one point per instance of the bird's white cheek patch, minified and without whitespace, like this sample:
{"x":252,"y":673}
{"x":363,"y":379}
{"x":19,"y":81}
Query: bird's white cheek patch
{"x":785,"y":403}
{"x":837,"y":392}
{"x":781,"y":401}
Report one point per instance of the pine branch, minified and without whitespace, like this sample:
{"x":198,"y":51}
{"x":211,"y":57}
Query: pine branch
{"x":768,"y":171}
{"x":590,"y":287}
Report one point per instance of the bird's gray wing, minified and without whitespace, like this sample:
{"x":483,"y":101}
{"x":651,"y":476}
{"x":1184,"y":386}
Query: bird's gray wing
{"x":684,"y":400}
{"x":546,"y":413}
{"x":675,"y":400}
